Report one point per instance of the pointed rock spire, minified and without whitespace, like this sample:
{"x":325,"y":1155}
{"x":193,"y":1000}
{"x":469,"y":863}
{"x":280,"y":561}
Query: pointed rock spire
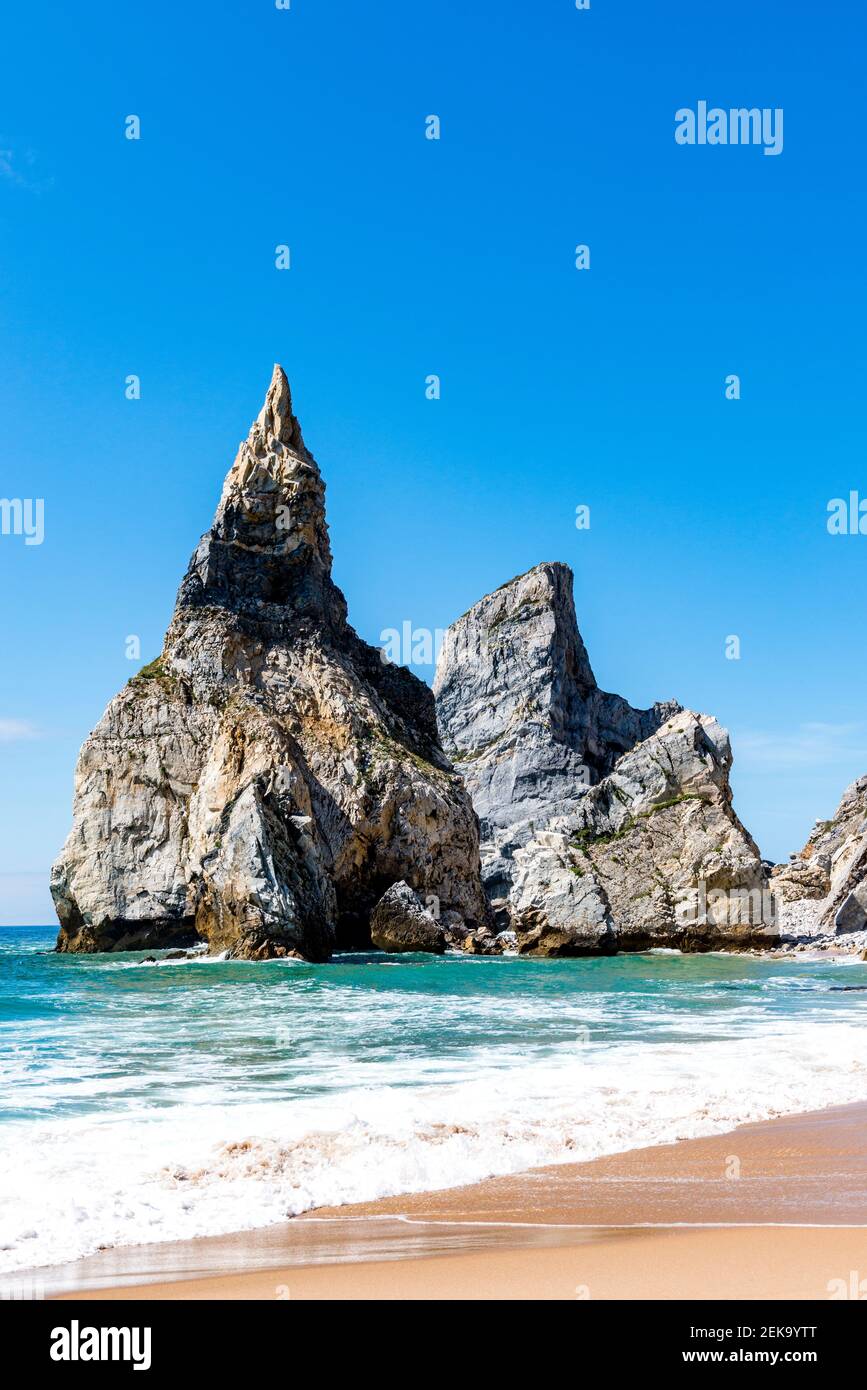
{"x":275,"y":419}
{"x":269,"y":541}
{"x":265,"y":781}
{"x":274,"y":447}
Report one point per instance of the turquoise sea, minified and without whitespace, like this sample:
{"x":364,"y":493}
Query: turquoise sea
{"x":144,"y":1102}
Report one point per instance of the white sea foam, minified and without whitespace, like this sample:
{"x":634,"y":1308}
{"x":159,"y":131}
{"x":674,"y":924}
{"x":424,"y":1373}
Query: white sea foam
{"x":206,"y":1165}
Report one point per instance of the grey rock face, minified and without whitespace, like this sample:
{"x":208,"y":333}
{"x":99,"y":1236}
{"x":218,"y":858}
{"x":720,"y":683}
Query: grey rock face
{"x":263,"y":782}
{"x":831,"y":869}
{"x":603,"y":827}
{"x":514,"y":676}
{"x":400,"y":923}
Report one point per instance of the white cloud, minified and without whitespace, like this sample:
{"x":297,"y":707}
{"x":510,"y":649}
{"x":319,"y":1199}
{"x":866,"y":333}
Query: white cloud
{"x":14,"y":730}
{"x":21,"y":167}
{"x":810,"y":745}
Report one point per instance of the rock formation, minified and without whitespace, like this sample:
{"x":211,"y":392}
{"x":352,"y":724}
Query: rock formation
{"x":269,"y":777}
{"x":830,"y":873}
{"x":603,"y":827}
{"x":400,"y":923}
{"x":272,"y":786}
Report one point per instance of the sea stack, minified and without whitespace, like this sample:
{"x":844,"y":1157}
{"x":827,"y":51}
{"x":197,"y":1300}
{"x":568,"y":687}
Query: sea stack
{"x":604,"y":827}
{"x":264,"y":782}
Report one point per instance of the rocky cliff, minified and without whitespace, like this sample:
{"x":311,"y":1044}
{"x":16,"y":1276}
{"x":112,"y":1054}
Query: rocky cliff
{"x":828,"y":879}
{"x":264,"y":782}
{"x":604,"y":827}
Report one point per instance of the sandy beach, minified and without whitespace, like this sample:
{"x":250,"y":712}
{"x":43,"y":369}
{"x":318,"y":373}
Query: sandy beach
{"x":776,"y":1210}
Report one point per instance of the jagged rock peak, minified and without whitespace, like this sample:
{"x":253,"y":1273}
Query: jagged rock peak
{"x":267,"y":780}
{"x":276,"y":419}
{"x":547,"y":586}
{"x":519,"y":709}
{"x":273,"y":434}
{"x":269,"y":540}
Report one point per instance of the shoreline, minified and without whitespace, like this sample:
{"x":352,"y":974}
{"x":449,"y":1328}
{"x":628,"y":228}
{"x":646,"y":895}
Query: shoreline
{"x":690,"y":1219}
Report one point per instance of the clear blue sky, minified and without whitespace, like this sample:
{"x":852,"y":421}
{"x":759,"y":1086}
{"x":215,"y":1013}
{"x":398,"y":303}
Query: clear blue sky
{"x":455,"y":257}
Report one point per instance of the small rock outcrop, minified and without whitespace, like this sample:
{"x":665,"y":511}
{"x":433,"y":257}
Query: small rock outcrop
{"x":262,"y":783}
{"x":830,"y":872}
{"x":604,"y":827}
{"x":400,"y":923}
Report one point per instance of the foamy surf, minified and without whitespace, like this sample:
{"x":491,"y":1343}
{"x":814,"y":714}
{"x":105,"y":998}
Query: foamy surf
{"x":153,"y":1105}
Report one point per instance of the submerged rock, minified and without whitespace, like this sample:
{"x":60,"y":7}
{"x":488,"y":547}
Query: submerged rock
{"x":604,"y":827}
{"x":400,"y":923}
{"x":264,"y":781}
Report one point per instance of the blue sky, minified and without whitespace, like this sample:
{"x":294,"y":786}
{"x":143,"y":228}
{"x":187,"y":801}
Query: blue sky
{"x":409,"y":257}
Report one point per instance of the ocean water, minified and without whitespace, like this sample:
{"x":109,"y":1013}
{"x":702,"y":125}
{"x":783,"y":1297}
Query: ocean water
{"x":147,"y":1102}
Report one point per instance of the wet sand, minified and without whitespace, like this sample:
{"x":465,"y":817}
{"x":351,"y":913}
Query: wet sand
{"x":770,"y":1210}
